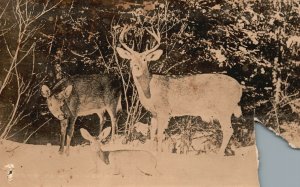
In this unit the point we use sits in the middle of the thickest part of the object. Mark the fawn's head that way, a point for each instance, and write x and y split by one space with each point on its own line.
139 61
95 144
56 101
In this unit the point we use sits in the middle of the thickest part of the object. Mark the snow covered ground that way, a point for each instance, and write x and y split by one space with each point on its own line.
43 166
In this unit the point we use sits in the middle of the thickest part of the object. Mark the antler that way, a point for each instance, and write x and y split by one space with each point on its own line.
157 37
121 38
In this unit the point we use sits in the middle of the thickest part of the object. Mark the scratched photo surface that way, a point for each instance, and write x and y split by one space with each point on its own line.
144 92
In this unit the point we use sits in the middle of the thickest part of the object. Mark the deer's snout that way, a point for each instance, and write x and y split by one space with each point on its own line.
137 67
62 116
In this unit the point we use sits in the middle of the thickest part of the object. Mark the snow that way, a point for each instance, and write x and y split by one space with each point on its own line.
40 165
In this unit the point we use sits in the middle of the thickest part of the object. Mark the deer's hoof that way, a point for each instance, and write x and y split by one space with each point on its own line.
61 151
229 152
67 152
154 145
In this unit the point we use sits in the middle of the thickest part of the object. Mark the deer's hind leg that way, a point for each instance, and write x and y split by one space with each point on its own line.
112 113
148 168
162 124
227 130
102 120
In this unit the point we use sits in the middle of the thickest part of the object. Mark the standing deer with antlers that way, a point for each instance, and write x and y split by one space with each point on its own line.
211 96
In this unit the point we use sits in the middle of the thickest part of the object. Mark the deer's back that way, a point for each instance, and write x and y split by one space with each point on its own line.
94 86
132 158
93 92
192 94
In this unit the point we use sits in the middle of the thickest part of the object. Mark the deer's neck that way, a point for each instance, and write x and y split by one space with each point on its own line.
142 84
104 156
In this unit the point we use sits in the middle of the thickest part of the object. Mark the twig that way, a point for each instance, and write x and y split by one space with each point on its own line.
11 150
25 141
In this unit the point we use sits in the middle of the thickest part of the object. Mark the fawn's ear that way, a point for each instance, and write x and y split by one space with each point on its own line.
123 53
45 91
104 133
67 92
154 55
85 134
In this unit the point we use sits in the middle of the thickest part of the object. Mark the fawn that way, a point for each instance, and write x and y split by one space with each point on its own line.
122 161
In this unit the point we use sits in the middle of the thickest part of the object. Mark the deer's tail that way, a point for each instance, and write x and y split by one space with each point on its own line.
237 111
119 106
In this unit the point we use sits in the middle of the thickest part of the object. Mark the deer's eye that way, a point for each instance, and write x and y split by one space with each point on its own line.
61 107
58 97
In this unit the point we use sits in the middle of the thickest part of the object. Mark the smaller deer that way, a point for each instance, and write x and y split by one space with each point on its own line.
123 161
83 95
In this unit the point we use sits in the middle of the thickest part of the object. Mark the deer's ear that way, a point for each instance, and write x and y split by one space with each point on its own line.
154 55
86 135
105 132
67 92
123 53
45 91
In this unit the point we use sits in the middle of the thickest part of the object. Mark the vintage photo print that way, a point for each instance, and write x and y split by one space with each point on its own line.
144 92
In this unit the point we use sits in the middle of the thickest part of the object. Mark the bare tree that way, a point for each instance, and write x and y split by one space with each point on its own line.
26 14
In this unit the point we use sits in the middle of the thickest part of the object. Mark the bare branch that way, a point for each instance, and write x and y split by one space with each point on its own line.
25 141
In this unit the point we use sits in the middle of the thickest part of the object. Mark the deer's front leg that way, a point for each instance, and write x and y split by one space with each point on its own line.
162 124
63 129
70 133
153 128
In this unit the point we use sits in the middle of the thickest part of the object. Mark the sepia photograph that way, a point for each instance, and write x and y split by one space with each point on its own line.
144 92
